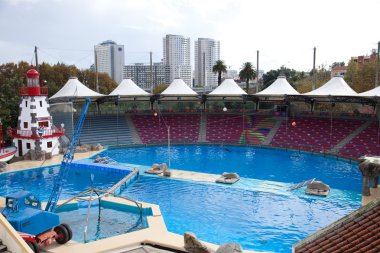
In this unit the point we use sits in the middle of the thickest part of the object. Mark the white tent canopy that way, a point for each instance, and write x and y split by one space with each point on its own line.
128 88
280 87
335 87
178 88
228 88
371 93
75 89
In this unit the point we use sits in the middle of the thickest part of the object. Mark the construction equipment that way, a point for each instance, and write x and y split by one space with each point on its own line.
23 210
37 227
67 159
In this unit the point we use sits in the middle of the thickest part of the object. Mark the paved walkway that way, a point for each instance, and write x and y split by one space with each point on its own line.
194 176
375 193
26 164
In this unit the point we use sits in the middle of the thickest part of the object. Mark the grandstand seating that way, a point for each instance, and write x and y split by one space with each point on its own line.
152 129
313 134
225 128
365 143
105 129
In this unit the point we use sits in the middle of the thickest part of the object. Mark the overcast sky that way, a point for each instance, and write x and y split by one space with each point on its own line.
284 31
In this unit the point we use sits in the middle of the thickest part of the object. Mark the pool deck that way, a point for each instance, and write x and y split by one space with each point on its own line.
155 234
194 176
26 164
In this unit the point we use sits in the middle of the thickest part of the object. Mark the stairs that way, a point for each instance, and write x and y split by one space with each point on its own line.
258 130
3 248
273 131
202 128
135 136
335 150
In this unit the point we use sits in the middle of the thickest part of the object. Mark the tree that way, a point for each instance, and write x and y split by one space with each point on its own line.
159 88
247 73
361 77
106 84
304 83
219 68
337 64
9 102
291 75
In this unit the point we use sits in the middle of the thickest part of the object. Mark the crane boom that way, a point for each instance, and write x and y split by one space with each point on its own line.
67 159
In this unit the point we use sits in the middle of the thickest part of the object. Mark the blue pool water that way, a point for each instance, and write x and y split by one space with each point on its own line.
105 222
40 181
265 164
258 220
258 212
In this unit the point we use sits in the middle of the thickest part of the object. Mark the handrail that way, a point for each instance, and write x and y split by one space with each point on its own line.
29 134
122 181
105 193
109 191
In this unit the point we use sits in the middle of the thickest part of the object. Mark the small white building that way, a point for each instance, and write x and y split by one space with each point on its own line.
35 129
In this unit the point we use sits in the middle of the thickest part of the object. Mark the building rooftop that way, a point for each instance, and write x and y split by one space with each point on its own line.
108 42
356 232
340 68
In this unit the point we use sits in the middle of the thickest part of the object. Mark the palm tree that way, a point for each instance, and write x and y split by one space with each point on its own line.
247 73
219 68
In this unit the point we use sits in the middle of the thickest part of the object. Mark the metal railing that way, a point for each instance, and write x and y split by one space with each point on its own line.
29 134
88 196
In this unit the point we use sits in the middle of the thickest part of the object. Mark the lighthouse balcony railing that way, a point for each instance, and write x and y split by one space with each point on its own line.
33 91
28 134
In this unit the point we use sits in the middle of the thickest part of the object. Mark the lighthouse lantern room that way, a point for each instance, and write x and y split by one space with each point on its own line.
35 132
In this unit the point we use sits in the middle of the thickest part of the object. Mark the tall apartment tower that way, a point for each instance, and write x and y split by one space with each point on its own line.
206 53
177 58
109 58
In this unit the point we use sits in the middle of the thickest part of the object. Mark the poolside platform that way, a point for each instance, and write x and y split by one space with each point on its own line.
26 164
156 234
194 176
375 193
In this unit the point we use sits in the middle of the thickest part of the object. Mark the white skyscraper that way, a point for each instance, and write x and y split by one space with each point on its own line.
109 58
206 53
177 58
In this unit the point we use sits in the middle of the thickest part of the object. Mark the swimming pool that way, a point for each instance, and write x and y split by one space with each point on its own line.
258 220
258 212
108 219
259 163
41 180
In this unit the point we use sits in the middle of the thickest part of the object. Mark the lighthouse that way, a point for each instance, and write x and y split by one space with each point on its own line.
35 132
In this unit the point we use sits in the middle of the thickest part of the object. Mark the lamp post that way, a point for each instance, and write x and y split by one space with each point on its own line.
155 114
168 128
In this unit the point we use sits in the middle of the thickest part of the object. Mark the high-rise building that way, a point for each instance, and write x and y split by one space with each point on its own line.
206 53
109 58
177 58
140 74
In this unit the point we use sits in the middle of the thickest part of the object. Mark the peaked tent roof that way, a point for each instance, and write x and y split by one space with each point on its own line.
371 93
178 88
75 89
228 88
280 87
335 87
128 88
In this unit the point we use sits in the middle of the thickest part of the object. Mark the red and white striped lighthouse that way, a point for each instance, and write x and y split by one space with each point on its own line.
35 129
